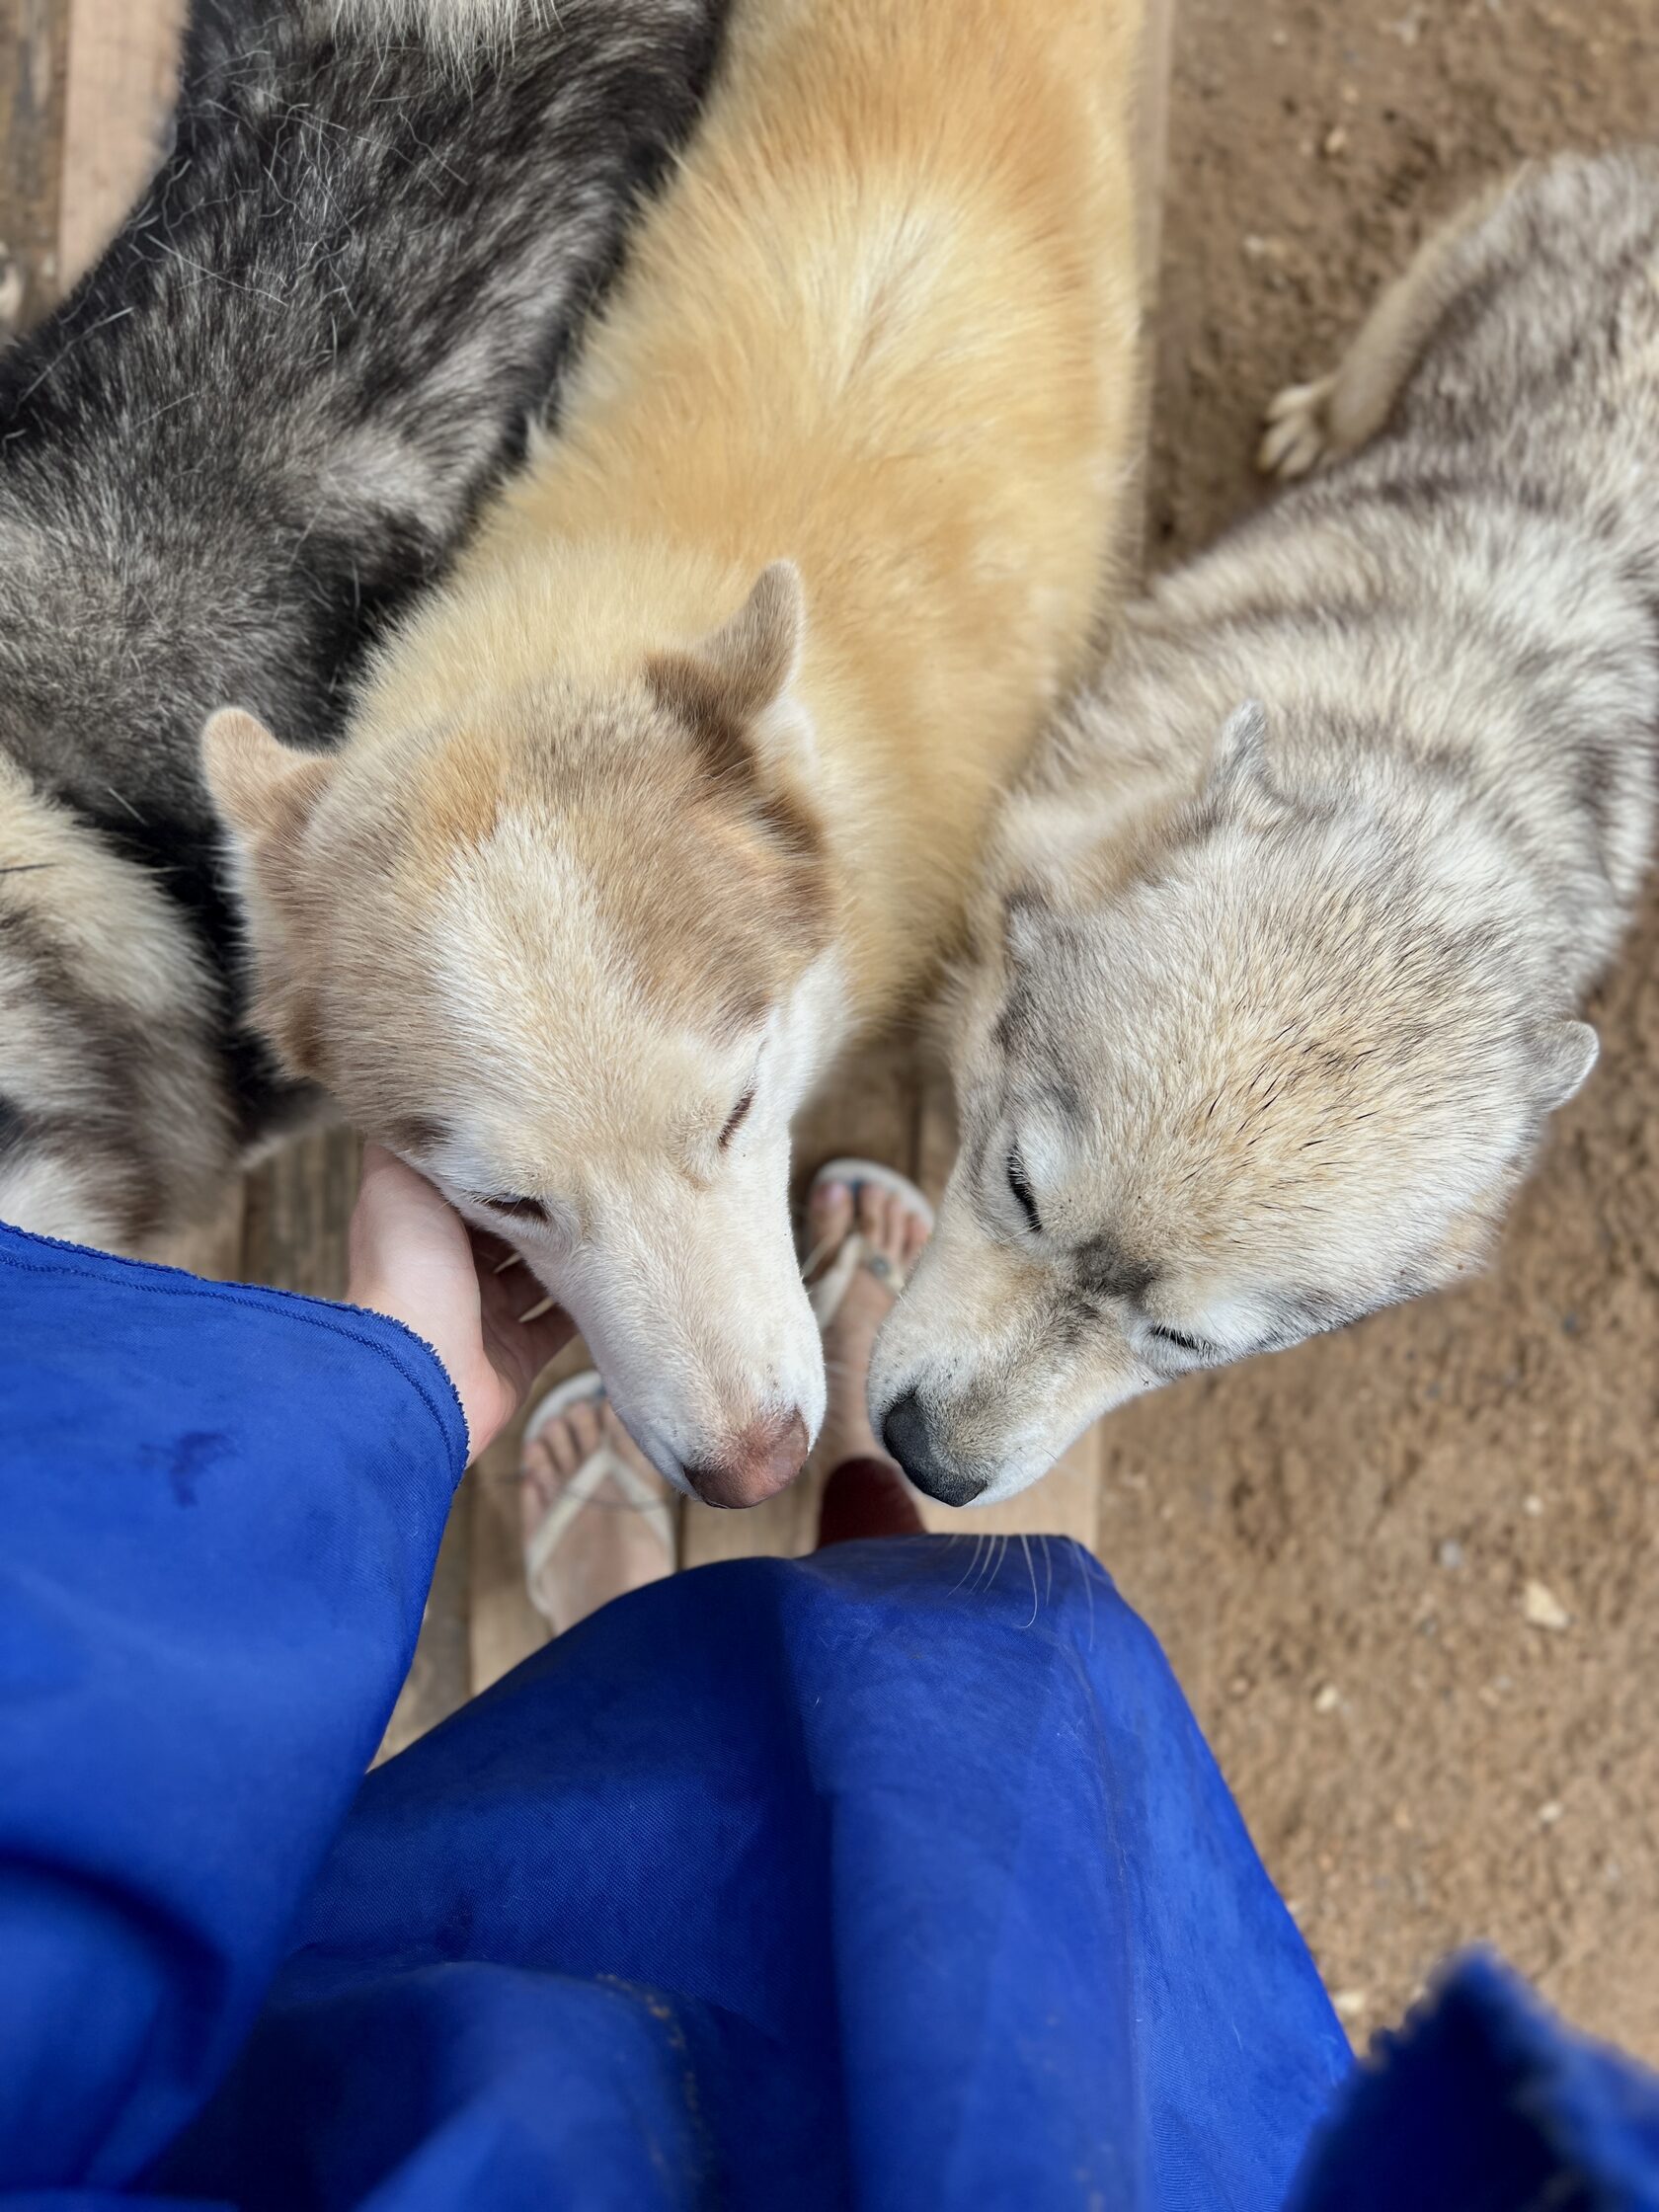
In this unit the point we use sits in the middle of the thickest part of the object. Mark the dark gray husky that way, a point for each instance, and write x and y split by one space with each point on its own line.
254 431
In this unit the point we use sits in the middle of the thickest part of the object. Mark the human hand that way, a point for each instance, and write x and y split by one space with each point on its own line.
413 1258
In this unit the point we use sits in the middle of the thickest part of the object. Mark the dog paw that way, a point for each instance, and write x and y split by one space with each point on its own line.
1299 431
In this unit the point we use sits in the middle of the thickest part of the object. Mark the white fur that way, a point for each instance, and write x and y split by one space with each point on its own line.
457 23
674 1258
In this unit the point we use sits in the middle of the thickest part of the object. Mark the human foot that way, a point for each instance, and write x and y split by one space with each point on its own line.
599 1520
892 1233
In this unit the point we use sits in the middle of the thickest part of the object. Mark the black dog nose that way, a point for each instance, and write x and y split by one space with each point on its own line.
905 1433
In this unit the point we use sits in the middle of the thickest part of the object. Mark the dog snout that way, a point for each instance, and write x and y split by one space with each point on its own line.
757 1462
908 1436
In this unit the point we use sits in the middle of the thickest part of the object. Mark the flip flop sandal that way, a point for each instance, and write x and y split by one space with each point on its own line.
582 1490
831 1287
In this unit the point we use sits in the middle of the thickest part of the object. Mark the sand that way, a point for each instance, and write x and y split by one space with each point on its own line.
1407 1575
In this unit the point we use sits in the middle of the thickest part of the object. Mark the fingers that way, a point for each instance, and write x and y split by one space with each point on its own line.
519 1348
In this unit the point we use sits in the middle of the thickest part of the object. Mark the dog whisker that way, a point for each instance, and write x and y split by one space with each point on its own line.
967 1570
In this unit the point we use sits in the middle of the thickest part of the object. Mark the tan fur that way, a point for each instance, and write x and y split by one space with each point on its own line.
619 828
884 328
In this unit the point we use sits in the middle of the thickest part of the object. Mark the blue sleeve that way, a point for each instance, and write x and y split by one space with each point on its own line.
1484 2098
220 1510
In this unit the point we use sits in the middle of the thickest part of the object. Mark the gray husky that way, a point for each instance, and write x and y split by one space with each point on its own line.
249 436
1279 961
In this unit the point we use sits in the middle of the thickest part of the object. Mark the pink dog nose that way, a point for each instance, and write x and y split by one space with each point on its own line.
758 1462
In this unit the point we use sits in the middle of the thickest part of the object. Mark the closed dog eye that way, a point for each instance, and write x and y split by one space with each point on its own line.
737 1116
1194 1346
1024 1196
517 1207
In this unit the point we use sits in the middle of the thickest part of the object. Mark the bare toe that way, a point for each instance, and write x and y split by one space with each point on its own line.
916 1236
540 1475
871 1202
893 1230
889 1226
830 1216
614 1541
563 1457
585 1430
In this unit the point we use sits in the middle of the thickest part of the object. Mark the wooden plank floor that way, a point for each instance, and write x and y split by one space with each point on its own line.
85 91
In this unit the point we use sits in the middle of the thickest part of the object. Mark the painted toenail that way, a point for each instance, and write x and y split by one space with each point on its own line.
832 1194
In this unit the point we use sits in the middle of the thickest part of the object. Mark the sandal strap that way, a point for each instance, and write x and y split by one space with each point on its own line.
826 1293
579 1492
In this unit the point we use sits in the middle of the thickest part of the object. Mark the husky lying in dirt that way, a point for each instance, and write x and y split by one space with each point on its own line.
677 786
254 431
1279 961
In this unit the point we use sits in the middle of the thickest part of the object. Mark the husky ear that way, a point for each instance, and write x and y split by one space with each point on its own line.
1563 1054
1238 765
730 691
1025 913
264 792
262 788
752 658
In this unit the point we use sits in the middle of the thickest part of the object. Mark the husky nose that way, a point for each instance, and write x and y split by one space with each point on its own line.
905 1434
760 1461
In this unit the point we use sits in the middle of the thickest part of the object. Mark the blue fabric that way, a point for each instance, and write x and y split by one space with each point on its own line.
1485 2103
220 1510
900 1877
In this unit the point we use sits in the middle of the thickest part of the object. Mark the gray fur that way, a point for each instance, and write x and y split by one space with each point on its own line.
1298 904
256 429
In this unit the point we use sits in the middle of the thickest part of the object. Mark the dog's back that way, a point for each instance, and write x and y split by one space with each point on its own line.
885 326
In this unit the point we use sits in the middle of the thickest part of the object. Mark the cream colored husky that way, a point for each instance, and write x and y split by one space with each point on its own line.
679 784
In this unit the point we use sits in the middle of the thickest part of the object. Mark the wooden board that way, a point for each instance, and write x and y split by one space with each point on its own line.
297 1206
214 1249
123 61
34 81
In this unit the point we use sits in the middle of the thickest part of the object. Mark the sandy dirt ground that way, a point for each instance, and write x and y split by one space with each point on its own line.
1336 1544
